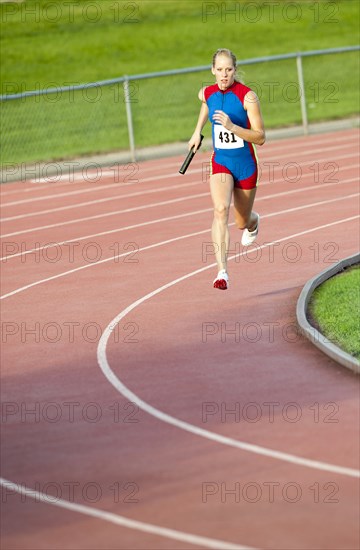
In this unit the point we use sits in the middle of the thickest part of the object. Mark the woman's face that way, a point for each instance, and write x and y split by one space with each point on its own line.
224 71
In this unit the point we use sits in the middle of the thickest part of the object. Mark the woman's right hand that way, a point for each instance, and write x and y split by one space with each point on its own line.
194 141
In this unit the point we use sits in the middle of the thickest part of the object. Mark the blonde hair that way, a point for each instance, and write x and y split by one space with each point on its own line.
232 56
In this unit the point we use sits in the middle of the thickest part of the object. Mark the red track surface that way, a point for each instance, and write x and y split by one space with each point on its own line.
190 351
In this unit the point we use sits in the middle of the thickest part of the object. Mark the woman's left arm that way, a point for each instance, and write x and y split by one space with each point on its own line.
256 134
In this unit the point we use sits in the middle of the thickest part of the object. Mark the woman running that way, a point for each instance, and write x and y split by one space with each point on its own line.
234 112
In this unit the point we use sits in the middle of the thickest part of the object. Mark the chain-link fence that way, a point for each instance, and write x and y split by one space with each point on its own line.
157 108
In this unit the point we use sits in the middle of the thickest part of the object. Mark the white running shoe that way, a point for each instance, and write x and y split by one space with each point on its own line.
248 237
222 280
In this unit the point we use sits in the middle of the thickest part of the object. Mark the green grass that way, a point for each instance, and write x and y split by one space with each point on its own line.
57 46
335 307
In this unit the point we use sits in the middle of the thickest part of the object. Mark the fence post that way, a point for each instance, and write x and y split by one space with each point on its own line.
129 118
302 93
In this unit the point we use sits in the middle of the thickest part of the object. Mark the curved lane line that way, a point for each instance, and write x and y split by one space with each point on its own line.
96 201
105 215
180 199
133 524
150 191
80 177
151 222
127 393
189 235
157 530
102 359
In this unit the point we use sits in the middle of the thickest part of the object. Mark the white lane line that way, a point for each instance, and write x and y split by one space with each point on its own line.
97 201
122 521
145 192
100 187
107 214
151 205
196 430
105 260
270 149
117 230
291 148
170 218
154 245
263 165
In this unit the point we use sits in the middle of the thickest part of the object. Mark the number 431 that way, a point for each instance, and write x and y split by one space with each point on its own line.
224 137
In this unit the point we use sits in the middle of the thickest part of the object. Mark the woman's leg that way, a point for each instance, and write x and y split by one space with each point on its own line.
221 187
245 217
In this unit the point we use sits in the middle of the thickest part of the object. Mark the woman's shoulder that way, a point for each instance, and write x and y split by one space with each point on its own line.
208 90
242 87
241 90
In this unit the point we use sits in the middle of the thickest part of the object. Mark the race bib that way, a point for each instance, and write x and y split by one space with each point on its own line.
224 139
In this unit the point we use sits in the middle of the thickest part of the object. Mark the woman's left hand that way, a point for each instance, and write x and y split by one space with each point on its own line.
224 119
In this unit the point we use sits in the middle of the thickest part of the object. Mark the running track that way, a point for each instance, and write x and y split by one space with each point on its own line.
141 408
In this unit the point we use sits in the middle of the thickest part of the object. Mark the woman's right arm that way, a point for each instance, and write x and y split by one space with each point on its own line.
195 139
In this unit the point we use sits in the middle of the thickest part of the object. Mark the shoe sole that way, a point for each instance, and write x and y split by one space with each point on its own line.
220 284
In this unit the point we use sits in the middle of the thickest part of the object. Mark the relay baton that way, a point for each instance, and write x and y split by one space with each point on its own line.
186 163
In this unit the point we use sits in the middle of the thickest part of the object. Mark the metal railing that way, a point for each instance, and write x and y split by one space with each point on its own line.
62 122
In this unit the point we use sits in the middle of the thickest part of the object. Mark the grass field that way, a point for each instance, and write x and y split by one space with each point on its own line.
52 44
335 306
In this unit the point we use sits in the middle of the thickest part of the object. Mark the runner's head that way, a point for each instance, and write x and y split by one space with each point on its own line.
224 68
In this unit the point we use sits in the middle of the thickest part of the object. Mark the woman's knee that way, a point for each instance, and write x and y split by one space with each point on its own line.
221 212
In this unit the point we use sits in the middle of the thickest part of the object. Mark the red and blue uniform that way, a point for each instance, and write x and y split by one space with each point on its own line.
232 155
